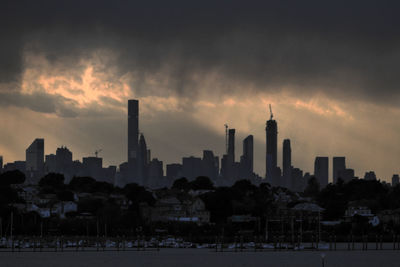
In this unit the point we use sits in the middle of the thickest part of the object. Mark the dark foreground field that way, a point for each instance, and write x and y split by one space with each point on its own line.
201 258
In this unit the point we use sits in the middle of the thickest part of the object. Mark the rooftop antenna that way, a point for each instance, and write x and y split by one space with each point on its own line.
97 152
270 111
226 137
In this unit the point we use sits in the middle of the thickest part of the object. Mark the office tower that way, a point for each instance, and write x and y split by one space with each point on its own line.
50 164
321 171
231 145
247 159
191 167
271 149
210 165
1 164
35 160
370 176
64 159
133 137
155 176
346 175
287 164
298 182
339 164
92 167
395 180
142 160
174 171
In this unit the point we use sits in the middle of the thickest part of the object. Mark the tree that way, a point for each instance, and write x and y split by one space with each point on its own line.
53 180
312 188
202 183
181 184
12 177
82 184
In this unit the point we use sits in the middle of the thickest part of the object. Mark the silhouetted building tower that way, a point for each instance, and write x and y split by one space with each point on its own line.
133 137
272 148
395 179
210 165
1 164
174 171
142 160
339 165
370 176
156 173
191 167
231 145
287 163
35 160
321 170
247 159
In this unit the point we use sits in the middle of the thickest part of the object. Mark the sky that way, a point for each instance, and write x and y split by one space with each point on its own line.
330 70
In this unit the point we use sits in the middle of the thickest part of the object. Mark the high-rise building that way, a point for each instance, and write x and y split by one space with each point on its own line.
50 164
370 176
231 145
321 171
210 165
247 159
155 176
142 160
64 159
92 166
133 138
35 160
287 164
271 149
395 179
346 175
191 167
339 165
174 171
1 164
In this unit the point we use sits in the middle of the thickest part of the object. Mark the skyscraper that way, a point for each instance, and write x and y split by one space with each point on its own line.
1 164
339 165
142 160
133 137
287 163
247 160
35 160
272 148
231 146
321 170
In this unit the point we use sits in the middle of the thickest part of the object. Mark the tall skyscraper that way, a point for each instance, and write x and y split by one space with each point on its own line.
231 145
272 148
287 162
142 160
1 164
339 165
133 137
35 160
247 161
321 170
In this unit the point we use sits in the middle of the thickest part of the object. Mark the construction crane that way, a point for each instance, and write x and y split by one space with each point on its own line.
97 152
270 111
226 137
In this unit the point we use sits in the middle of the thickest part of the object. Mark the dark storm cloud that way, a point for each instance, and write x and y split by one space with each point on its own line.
348 49
39 102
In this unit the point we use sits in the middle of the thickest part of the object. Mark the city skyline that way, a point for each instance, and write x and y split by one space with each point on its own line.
197 66
141 168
